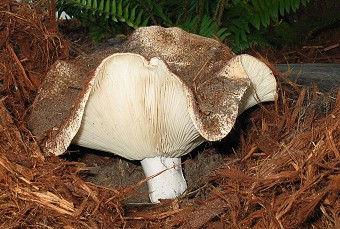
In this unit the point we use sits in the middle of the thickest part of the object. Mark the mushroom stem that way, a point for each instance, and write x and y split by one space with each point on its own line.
168 181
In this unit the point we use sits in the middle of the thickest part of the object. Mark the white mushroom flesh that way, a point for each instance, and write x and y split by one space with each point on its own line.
263 83
137 109
168 182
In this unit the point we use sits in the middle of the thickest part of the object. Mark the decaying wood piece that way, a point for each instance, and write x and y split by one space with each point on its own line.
325 76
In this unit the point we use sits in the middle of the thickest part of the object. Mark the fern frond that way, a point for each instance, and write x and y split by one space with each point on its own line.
259 14
241 18
208 27
252 39
105 10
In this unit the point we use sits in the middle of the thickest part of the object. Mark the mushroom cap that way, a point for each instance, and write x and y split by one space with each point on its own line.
263 83
137 109
58 107
212 74
210 83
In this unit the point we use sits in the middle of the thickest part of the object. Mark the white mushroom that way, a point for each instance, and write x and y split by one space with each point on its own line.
162 95
138 109
167 180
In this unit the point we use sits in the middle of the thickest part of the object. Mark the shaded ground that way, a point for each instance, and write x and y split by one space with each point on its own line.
112 171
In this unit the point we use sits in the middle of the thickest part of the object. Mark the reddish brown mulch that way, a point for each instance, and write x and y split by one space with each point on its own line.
30 42
284 174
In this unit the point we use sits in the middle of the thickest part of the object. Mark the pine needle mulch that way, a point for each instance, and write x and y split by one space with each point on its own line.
284 174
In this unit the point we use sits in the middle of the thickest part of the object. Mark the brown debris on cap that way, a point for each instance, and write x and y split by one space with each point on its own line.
213 84
59 105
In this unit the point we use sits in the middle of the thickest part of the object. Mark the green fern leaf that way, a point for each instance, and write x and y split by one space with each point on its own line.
113 7
125 14
243 35
89 4
107 9
129 23
192 23
275 9
246 26
120 8
256 5
222 34
282 7
101 7
295 5
256 21
126 11
287 5
159 11
94 4
267 17
139 18
208 27
263 19
266 3
133 14
145 22
304 2
238 23
262 5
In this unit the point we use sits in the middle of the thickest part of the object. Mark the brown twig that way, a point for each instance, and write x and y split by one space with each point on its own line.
28 81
